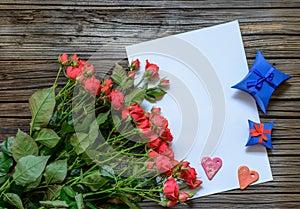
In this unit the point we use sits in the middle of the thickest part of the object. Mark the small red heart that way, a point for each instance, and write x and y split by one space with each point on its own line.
211 166
246 177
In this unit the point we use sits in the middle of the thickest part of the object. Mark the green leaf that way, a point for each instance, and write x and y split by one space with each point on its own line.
150 98
118 74
23 145
56 172
16 189
3 179
94 180
69 191
29 169
53 191
32 204
34 184
82 119
108 172
79 201
6 146
47 137
80 142
135 96
127 83
67 127
155 92
14 200
64 197
41 105
93 132
116 120
102 117
55 203
5 163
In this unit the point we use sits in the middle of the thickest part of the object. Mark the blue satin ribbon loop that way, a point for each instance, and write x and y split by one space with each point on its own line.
268 77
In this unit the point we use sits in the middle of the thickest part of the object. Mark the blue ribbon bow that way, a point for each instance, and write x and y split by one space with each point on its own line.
268 77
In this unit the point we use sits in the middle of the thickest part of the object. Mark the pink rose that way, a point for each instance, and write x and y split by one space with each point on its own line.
75 59
171 203
92 84
125 113
183 197
160 122
164 83
117 99
164 164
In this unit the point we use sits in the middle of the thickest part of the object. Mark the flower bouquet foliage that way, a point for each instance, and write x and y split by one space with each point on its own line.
92 142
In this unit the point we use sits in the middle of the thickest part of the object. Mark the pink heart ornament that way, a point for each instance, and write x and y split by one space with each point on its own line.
211 166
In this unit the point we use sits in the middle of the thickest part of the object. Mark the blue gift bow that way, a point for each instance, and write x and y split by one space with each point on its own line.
268 77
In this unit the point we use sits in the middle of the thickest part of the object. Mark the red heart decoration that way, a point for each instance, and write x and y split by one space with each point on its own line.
246 177
211 166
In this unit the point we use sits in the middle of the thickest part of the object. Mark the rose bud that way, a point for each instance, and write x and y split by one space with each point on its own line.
63 59
135 65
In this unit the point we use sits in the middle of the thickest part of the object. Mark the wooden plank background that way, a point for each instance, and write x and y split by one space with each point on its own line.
34 33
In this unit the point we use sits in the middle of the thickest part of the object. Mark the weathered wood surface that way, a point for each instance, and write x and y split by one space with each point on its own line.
34 33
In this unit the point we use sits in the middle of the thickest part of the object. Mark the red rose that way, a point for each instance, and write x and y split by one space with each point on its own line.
183 197
189 175
81 64
151 70
164 147
92 84
131 74
165 150
196 184
143 124
152 154
136 111
135 65
105 88
154 143
171 189
73 72
166 135
63 59
164 164
117 99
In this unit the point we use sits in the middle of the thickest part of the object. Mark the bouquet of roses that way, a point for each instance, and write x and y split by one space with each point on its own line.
92 142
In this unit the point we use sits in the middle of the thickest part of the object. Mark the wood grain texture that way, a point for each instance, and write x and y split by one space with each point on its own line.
33 33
